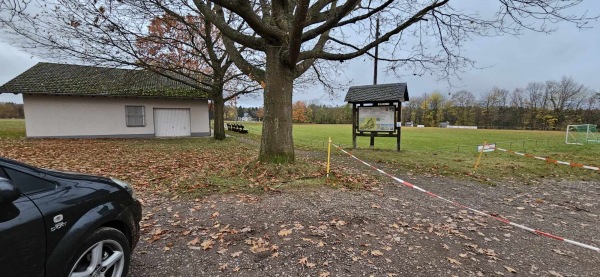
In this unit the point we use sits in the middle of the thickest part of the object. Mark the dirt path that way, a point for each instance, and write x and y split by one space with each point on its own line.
388 230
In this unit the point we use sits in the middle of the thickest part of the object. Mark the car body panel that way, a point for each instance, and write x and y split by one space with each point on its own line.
70 211
22 232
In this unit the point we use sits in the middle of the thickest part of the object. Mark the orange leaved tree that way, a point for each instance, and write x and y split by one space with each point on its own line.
190 48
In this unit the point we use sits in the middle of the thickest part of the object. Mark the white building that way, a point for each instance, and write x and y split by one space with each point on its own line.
75 101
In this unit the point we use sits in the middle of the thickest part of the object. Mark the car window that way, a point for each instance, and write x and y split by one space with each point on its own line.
28 183
2 174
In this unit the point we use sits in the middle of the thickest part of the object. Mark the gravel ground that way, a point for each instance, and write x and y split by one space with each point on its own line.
386 230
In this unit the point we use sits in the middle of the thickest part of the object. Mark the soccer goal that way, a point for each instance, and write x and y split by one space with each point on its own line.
582 134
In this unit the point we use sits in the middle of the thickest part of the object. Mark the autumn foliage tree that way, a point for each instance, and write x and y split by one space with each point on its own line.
195 49
300 113
295 35
260 113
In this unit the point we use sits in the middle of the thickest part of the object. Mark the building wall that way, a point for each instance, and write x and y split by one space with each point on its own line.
85 116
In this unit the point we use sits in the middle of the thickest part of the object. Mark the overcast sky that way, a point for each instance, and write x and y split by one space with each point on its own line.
510 62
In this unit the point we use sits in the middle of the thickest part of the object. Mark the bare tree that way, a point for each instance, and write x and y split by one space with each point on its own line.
563 96
195 49
536 103
463 107
11 8
295 34
517 107
294 37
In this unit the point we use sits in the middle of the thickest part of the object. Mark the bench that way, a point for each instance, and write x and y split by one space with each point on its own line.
236 128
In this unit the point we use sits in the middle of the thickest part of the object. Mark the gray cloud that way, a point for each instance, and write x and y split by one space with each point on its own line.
507 61
12 63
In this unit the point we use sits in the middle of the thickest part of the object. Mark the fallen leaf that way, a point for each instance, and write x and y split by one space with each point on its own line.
207 244
284 232
554 273
376 253
453 261
246 229
193 242
236 254
510 269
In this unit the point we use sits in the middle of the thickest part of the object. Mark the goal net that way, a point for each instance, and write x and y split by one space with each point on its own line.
582 134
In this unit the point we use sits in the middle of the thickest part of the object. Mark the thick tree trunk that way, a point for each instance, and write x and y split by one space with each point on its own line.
219 106
277 144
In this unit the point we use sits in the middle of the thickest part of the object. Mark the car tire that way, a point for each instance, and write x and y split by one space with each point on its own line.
105 252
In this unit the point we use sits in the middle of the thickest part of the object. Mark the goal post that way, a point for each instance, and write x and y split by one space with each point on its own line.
582 134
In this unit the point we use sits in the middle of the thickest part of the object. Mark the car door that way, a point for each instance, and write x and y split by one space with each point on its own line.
22 238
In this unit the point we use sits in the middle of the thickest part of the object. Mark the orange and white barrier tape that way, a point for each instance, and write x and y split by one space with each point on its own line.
494 216
550 160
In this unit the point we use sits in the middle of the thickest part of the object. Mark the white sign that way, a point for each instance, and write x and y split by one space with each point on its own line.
486 148
377 118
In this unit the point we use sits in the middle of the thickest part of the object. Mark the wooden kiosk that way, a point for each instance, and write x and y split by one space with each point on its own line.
376 111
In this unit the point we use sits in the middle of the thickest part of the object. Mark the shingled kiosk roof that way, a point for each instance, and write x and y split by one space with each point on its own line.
378 93
69 79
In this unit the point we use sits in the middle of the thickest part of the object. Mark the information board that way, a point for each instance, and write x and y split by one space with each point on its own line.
377 118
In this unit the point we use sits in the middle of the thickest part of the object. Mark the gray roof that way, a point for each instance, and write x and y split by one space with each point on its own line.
69 79
377 93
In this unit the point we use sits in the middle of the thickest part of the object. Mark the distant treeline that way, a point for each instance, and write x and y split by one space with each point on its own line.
539 106
547 105
11 110
301 113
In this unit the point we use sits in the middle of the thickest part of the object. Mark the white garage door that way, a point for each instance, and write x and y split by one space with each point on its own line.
172 123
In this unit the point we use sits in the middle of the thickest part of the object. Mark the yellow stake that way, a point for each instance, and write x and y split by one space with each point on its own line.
328 156
479 158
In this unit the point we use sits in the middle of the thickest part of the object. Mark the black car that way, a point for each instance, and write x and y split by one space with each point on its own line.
65 224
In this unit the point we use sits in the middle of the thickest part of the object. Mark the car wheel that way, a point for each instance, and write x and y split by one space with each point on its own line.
105 253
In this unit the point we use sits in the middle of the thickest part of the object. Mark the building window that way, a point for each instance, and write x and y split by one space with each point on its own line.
135 116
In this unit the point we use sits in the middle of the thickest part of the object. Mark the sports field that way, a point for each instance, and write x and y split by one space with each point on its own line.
453 151
435 151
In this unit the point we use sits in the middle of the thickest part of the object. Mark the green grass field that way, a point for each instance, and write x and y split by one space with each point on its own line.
429 151
12 128
453 152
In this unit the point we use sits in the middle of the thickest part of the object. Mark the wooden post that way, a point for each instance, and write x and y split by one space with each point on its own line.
372 143
328 157
399 119
376 53
354 125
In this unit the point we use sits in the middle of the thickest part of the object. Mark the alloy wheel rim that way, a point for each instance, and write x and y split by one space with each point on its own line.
103 259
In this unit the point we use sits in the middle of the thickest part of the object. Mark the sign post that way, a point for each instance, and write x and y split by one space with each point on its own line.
376 111
481 149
